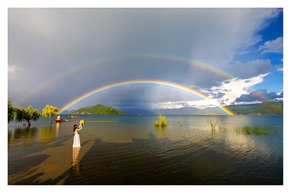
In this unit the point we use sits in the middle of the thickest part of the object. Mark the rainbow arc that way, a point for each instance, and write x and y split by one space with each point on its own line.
156 82
78 69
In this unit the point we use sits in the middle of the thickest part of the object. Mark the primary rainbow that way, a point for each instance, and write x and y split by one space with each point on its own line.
157 82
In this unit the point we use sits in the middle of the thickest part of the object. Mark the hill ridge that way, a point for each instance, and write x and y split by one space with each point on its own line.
99 109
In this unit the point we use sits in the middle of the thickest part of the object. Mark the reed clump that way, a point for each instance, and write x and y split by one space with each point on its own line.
213 124
247 130
162 121
156 123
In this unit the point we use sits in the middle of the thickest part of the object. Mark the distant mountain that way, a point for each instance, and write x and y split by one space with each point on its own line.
98 109
66 112
266 108
179 111
209 111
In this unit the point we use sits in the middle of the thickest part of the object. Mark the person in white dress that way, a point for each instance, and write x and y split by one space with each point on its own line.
77 142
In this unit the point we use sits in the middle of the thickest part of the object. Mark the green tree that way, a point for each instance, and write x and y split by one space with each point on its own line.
49 111
28 114
11 113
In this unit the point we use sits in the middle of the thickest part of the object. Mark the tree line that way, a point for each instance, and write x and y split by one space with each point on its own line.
19 114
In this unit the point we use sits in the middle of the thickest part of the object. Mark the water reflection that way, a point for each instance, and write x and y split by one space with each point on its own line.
22 135
27 135
57 125
213 132
47 133
161 131
25 132
195 144
75 161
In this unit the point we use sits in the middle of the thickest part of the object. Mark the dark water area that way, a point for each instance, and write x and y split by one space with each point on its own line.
128 150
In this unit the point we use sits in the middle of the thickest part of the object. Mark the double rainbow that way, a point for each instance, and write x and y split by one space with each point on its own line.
156 82
179 60
78 69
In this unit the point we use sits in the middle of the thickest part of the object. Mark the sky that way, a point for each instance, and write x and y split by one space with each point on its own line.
231 55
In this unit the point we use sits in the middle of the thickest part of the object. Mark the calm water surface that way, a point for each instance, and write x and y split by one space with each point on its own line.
130 150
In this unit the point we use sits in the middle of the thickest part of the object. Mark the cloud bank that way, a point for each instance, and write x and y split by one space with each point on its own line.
274 46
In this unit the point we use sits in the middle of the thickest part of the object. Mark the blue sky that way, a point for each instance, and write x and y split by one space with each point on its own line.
106 45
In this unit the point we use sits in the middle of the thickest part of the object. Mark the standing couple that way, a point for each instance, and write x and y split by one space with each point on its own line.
76 147
77 142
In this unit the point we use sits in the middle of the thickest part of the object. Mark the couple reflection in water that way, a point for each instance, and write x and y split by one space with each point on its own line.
75 167
76 148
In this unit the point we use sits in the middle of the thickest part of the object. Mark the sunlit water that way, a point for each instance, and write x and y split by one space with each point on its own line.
130 150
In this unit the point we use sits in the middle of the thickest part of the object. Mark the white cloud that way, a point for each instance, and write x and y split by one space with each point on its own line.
224 94
246 103
274 46
201 104
280 69
232 89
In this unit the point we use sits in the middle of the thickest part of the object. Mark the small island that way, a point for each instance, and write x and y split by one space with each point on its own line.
98 109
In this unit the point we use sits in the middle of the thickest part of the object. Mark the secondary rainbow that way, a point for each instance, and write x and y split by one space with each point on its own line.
78 69
196 63
156 82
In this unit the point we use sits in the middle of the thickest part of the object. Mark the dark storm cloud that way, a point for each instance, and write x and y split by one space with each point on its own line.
251 69
260 95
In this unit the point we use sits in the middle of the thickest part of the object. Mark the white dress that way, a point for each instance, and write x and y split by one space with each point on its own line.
77 141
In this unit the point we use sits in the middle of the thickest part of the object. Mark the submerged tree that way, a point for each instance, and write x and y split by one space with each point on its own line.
49 111
28 114
11 113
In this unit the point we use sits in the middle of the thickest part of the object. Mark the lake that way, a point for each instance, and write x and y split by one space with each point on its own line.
128 149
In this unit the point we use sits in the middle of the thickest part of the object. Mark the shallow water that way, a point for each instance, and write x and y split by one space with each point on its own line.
130 150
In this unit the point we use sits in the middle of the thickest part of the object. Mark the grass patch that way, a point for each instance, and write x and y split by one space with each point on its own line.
156 123
247 130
